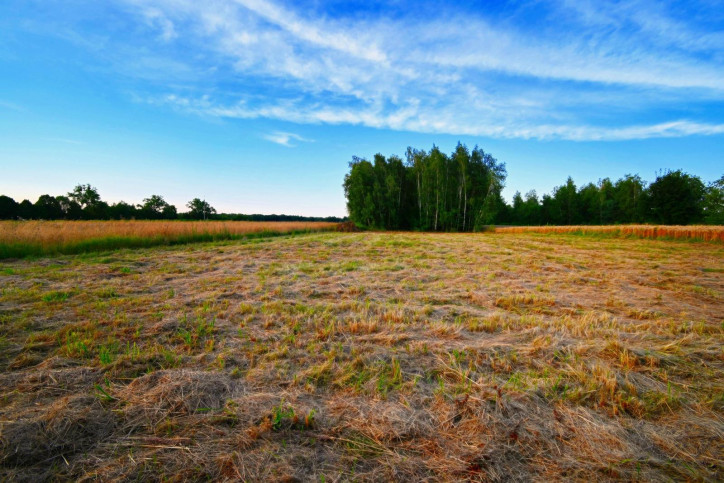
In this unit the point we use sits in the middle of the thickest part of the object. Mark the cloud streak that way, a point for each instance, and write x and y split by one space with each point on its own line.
412 119
628 70
285 138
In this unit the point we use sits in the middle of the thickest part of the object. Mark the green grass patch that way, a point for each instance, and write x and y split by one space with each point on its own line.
56 296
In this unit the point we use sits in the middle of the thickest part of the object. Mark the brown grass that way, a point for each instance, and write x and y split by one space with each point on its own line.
367 357
696 232
48 233
37 238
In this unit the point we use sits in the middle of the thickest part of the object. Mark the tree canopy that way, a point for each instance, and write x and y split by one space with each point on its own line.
431 190
200 209
85 203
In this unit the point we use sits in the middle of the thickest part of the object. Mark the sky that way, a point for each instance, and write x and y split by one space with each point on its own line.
258 106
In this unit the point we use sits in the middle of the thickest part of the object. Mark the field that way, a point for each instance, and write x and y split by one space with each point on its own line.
688 232
23 238
367 356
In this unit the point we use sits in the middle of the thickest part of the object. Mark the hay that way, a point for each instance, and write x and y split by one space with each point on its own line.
70 425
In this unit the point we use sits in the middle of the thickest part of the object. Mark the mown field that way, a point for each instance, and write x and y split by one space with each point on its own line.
367 356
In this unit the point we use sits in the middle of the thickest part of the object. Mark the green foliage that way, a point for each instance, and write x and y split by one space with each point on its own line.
8 208
677 198
102 394
429 191
714 203
674 198
48 208
279 414
85 195
283 416
461 192
56 296
156 208
200 209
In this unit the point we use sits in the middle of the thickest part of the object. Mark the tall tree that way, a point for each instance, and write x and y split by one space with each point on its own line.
155 207
605 204
714 202
48 208
85 195
566 199
8 208
26 210
70 208
200 209
461 159
676 198
630 196
517 213
531 209
588 203
358 188
123 211
429 191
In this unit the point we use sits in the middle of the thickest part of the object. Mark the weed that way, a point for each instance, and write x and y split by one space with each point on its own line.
102 394
56 296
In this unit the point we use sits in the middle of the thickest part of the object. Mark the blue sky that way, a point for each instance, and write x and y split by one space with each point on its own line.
258 106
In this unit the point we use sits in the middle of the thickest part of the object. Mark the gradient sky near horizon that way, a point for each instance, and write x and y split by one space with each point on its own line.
258 106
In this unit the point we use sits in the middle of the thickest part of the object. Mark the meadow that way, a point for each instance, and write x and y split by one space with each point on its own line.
680 232
37 238
366 356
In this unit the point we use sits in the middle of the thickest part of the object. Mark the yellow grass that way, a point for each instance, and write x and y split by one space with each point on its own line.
699 232
52 232
20 238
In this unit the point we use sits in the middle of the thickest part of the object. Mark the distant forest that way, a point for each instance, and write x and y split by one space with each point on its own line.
84 203
430 190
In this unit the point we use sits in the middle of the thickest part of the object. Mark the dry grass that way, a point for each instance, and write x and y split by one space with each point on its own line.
695 232
18 238
367 356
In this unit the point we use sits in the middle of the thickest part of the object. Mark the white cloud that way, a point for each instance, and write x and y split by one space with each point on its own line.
285 138
443 122
155 18
458 73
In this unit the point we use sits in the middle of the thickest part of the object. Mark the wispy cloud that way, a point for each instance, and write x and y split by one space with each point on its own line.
582 70
285 138
12 106
65 141
156 19
443 122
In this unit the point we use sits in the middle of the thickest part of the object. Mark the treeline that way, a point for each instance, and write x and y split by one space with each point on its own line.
259 217
461 192
429 190
84 203
674 198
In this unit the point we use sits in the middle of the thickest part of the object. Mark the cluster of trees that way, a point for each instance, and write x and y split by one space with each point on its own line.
84 203
429 190
674 198
461 192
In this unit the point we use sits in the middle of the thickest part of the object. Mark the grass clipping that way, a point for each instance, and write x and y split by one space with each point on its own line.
367 356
